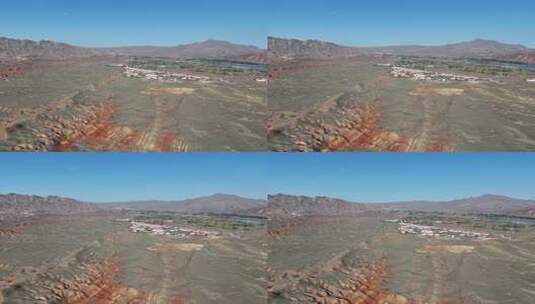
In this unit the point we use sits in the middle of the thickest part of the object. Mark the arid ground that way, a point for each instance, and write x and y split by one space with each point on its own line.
91 105
357 104
363 259
97 259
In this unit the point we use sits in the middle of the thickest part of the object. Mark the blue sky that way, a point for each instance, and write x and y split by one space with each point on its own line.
391 22
351 22
134 22
367 177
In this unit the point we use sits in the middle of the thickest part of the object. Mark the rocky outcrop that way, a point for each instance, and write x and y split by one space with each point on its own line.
354 284
340 124
284 49
287 205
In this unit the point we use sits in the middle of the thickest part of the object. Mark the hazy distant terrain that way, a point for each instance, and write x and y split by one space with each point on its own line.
218 203
486 204
478 48
210 49
16 49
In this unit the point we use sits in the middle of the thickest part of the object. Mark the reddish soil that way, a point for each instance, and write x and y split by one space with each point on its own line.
100 133
361 284
366 135
100 287
359 129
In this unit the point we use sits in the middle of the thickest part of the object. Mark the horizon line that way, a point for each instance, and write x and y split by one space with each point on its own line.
263 47
363 45
128 201
266 198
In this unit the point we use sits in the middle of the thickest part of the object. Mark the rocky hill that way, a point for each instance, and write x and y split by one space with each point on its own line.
217 203
279 48
19 50
16 204
288 205
210 49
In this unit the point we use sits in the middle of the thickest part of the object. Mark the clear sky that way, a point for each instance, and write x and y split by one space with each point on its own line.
366 177
99 23
392 22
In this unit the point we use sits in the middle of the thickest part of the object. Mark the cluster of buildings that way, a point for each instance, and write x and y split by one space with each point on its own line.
422 75
162 76
172 232
433 231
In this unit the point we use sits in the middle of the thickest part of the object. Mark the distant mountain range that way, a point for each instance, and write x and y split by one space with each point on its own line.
15 49
276 205
217 203
477 48
291 48
15 204
210 49
281 205
486 204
